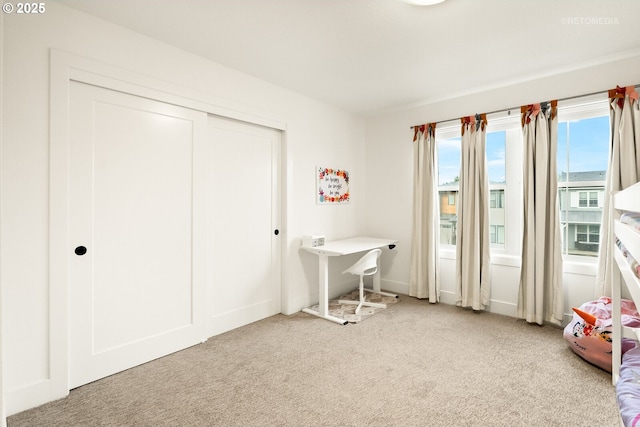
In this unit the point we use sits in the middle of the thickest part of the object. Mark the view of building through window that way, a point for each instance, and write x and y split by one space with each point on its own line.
495 151
583 150
582 159
448 179
449 175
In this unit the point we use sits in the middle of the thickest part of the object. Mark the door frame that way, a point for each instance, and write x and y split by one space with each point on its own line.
66 67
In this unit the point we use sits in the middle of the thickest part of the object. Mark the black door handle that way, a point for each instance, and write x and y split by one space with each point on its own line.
80 250
276 232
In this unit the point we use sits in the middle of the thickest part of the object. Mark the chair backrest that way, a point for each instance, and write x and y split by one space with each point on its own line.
367 265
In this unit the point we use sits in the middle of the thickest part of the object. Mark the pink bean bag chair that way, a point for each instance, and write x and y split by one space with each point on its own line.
589 332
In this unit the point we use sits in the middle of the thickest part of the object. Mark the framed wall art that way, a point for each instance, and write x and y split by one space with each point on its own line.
333 186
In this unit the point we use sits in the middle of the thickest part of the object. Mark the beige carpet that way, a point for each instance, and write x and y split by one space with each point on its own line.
348 311
414 364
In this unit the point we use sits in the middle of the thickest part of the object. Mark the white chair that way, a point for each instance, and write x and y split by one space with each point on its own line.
365 266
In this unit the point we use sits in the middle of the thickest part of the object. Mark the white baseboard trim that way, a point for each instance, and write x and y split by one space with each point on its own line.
449 297
335 290
446 297
503 307
396 287
30 396
224 322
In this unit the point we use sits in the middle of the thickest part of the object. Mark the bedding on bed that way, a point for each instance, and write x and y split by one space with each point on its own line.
628 388
589 332
633 264
631 218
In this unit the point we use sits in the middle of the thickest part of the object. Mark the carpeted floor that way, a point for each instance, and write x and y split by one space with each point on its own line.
414 364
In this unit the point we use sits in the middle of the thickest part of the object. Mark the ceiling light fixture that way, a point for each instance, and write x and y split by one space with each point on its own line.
423 2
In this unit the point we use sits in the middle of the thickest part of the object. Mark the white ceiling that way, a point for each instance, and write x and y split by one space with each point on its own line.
369 56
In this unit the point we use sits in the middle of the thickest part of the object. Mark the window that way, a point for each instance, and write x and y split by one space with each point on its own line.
496 199
497 234
582 161
587 233
588 199
583 151
583 199
587 238
496 170
448 181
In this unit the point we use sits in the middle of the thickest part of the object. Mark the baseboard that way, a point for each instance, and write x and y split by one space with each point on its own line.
449 297
503 307
224 322
335 290
30 396
495 306
446 297
395 287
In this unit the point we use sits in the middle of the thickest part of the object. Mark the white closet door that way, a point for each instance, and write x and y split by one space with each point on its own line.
136 208
245 201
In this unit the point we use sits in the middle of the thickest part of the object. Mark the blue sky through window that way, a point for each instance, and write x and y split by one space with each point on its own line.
588 151
449 158
496 145
588 145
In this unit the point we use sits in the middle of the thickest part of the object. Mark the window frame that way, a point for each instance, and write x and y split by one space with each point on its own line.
509 121
444 133
587 107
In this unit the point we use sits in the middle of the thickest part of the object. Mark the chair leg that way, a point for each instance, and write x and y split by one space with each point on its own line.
361 294
362 302
388 294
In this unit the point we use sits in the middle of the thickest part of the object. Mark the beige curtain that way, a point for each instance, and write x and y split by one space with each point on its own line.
623 171
540 297
424 278
472 239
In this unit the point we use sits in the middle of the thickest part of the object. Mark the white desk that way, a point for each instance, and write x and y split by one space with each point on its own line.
337 248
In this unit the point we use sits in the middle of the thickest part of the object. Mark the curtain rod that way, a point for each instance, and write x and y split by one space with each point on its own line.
514 108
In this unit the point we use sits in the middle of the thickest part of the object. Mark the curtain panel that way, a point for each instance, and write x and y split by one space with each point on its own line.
473 243
623 171
424 277
540 297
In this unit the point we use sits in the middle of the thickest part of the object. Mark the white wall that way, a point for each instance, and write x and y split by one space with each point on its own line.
390 170
316 134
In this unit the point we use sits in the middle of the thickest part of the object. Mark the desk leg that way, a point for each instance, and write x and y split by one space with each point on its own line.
323 285
323 292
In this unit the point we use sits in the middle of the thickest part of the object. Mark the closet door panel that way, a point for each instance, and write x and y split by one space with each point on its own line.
136 277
